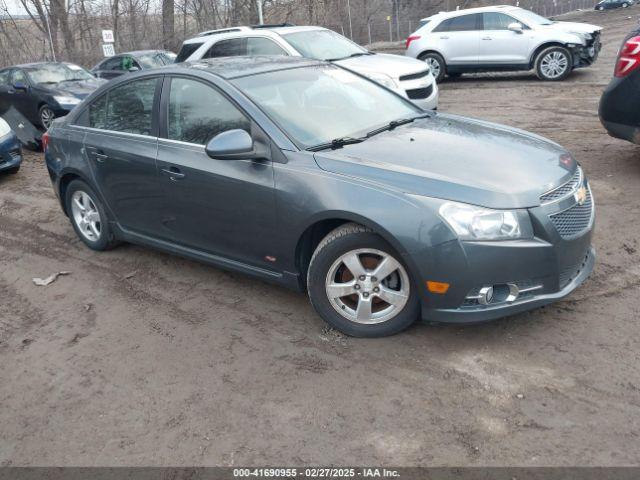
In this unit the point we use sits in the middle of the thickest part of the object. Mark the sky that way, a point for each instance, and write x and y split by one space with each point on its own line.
12 6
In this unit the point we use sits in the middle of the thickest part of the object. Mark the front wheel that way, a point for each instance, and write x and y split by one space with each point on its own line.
359 285
436 64
625 5
14 170
46 116
553 64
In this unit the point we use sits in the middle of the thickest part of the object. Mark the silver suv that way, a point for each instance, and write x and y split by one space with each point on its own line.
503 38
405 76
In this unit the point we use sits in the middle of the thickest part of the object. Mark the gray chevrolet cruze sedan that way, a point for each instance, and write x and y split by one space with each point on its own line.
307 175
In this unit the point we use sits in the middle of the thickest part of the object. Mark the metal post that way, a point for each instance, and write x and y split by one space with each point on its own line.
349 14
369 30
390 31
260 19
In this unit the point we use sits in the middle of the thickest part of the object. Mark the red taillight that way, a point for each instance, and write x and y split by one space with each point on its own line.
411 39
45 141
628 58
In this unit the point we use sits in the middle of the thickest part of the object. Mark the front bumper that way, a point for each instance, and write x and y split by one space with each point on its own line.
423 92
583 56
10 152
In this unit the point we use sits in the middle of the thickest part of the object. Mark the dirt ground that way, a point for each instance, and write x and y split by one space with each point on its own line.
141 358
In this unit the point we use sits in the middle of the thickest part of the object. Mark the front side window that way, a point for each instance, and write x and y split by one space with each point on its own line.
198 112
19 77
114 63
228 48
315 105
497 21
263 46
323 45
127 108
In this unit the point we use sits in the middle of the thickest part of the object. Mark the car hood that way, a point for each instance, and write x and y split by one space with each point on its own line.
80 89
459 159
392 65
573 27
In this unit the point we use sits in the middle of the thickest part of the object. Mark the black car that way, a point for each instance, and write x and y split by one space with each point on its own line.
120 64
44 91
619 112
610 4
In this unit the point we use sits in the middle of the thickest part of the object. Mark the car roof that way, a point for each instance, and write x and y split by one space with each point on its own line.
37 64
467 11
137 53
234 67
242 31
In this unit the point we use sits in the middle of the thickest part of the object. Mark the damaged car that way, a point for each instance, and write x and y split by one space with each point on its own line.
503 38
310 176
10 149
46 90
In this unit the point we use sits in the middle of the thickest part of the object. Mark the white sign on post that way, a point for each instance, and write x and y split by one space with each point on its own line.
107 36
108 50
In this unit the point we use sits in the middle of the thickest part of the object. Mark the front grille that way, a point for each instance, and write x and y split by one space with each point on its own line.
567 274
563 190
420 93
415 76
575 220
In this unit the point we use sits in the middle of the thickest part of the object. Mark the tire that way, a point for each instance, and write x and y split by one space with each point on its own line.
98 236
46 116
625 5
14 170
600 9
437 65
547 70
327 267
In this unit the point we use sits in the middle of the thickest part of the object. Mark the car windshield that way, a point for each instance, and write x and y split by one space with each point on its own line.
319 104
532 18
57 72
156 59
324 45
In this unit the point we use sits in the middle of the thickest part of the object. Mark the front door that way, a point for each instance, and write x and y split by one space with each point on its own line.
458 39
501 46
121 145
222 207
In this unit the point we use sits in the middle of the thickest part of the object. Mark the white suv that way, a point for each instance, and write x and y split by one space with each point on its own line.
503 38
408 77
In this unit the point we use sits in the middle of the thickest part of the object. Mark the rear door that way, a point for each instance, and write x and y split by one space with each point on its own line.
458 39
222 207
501 46
121 144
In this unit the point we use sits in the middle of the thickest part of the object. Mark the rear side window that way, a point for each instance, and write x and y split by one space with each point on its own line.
263 46
228 48
463 23
187 50
198 112
127 108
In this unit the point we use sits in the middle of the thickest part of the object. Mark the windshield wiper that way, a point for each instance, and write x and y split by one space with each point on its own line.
357 54
336 143
396 123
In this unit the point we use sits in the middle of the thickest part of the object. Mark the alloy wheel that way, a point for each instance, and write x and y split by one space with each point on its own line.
367 286
46 117
434 65
86 215
554 64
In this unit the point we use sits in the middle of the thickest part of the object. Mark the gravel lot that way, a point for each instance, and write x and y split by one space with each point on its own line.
141 358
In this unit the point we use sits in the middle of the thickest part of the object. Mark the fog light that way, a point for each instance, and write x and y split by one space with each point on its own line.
485 296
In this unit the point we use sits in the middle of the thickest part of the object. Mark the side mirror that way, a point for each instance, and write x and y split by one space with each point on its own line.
20 86
232 145
515 27
134 69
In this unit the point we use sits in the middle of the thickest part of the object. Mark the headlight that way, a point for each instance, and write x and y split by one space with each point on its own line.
5 129
382 79
478 223
64 100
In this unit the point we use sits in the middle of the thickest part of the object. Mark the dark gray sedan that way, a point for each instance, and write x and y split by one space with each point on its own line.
307 175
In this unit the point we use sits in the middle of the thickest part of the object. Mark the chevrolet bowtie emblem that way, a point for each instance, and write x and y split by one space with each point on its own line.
581 195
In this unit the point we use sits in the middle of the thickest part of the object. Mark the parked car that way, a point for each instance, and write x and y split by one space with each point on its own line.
409 78
619 111
44 91
122 63
10 150
307 175
610 4
503 38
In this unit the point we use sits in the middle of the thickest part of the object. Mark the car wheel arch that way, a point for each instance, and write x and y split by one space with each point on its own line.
65 180
319 228
544 46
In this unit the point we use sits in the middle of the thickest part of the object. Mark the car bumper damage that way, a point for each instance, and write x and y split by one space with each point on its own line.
586 55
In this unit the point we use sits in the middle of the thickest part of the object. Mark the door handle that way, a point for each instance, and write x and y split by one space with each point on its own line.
444 37
487 38
100 157
174 173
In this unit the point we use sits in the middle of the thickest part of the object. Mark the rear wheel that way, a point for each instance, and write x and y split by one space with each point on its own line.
436 64
600 8
46 116
358 284
553 64
88 216
625 5
13 170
